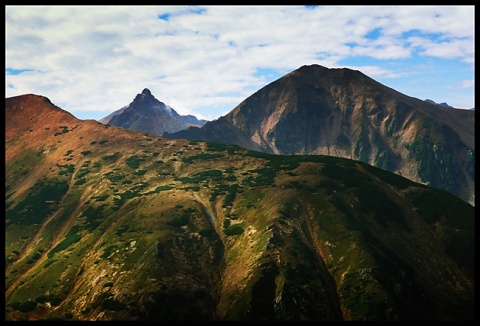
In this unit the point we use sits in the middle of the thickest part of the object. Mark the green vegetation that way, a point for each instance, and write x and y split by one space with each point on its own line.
49 262
199 177
38 204
234 230
82 172
201 156
149 237
456 229
114 177
70 238
373 199
93 217
80 182
112 304
122 229
366 298
229 229
108 251
179 221
65 169
52 299
101 197
163 188
112 157
64 131
195 188
25 306
229 198
34 257
134 161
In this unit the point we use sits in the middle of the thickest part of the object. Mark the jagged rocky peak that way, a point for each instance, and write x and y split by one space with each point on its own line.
148 114
144 95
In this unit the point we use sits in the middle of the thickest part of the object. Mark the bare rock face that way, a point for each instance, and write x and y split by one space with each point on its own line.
342 112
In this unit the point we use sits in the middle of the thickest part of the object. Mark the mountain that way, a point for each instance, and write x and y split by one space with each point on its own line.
441 104
106 223
342 112
148 114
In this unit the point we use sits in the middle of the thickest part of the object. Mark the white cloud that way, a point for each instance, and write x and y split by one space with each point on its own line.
97 58
467 83
377 72
451 49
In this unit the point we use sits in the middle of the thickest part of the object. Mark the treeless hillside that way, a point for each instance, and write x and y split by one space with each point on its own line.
106 223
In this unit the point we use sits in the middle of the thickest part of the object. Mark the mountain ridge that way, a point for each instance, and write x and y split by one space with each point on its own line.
131 226
342 112
445 104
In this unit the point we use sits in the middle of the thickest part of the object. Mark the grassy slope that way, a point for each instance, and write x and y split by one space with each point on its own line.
105 223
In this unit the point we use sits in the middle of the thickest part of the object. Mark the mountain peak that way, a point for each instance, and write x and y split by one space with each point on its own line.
444 104
343 112
145 94
148 114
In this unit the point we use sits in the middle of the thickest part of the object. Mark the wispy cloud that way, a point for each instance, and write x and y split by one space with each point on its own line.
203 60
468 83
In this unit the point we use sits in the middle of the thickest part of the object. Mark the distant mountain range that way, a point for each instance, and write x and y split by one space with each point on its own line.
148 114
344 113
441 104
103 223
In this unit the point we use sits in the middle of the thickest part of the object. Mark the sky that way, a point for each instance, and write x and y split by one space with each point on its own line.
205 60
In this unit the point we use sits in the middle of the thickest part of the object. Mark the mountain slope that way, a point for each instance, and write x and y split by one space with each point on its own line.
105 223
342 112
148 114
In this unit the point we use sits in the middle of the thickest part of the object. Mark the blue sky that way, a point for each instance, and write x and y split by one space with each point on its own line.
204 60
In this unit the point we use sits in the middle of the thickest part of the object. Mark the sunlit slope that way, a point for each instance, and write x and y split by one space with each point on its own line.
344 113
103 223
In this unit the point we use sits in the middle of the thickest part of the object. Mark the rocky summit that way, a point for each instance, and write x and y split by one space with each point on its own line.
146 113
344 113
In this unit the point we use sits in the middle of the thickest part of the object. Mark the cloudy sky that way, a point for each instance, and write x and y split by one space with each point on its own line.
204 60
